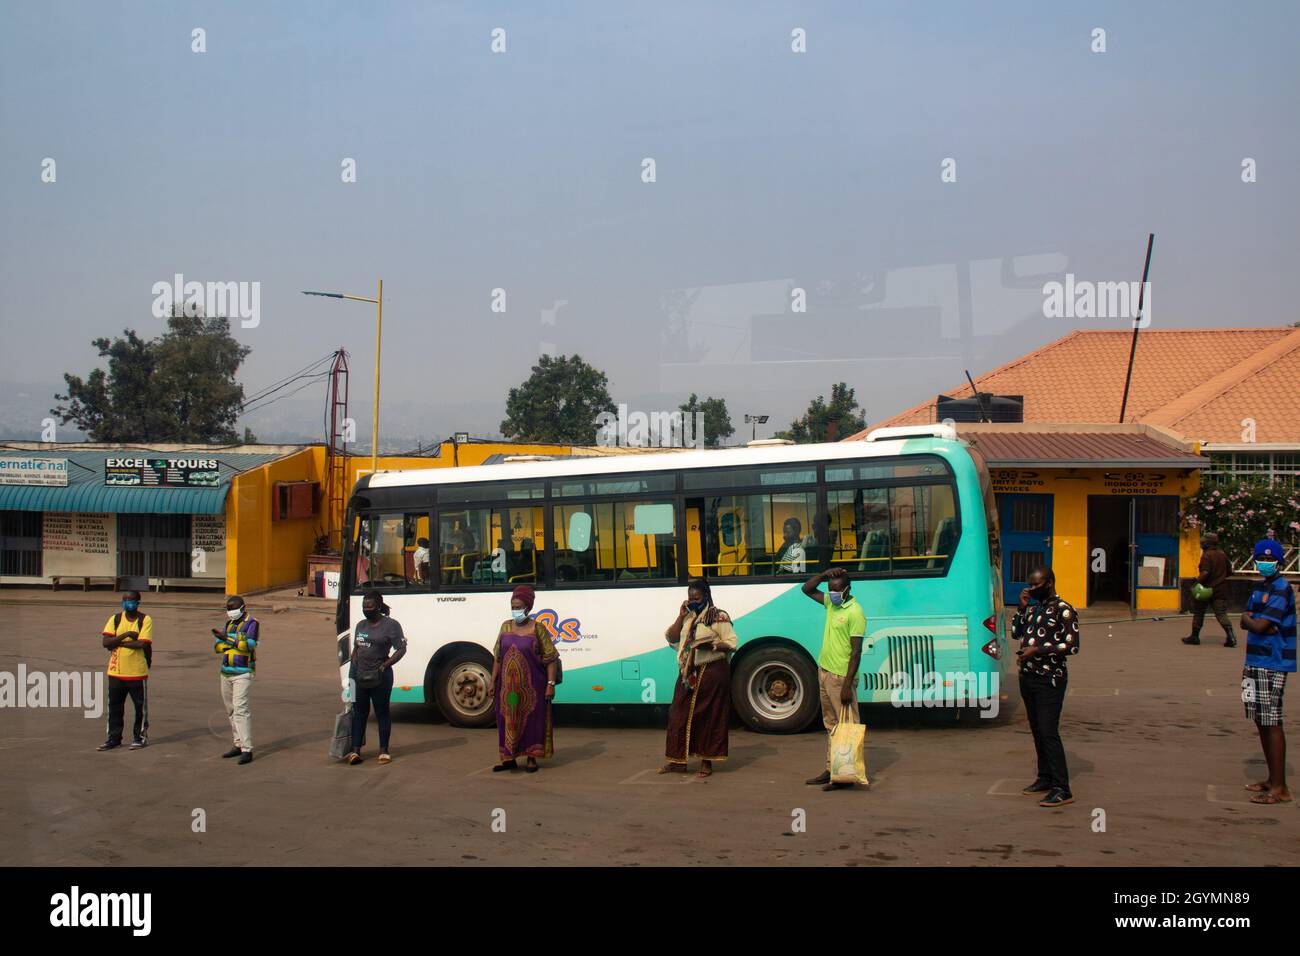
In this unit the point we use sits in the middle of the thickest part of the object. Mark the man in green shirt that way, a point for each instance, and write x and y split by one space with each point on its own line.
837 664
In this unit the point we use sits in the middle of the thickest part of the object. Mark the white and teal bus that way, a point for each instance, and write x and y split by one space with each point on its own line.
610 542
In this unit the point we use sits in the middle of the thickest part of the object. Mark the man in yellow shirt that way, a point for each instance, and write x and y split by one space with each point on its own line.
129 637
841 653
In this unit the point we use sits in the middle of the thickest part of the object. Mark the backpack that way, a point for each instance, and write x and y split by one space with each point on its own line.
148 648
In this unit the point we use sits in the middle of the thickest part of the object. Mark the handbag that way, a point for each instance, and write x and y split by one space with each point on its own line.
847 749
341 744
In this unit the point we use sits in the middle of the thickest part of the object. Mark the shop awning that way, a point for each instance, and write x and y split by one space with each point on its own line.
1078 449
86 490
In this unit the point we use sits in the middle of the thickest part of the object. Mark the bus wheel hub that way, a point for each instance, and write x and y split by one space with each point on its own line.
778 689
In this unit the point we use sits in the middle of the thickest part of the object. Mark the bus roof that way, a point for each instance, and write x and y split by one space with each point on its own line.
664 461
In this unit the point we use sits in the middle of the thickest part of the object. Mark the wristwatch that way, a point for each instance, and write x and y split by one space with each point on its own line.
550 683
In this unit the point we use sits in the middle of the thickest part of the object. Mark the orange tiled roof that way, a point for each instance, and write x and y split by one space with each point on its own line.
1199 382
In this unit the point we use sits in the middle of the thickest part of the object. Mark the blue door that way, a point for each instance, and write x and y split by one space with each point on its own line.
1026 539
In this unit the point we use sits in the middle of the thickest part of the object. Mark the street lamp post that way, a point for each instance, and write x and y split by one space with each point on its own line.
755 420
378 302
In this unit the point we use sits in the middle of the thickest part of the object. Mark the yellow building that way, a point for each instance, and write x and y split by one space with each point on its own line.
1100 504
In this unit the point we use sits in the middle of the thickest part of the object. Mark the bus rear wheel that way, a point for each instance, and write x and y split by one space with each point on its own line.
774 690
460 689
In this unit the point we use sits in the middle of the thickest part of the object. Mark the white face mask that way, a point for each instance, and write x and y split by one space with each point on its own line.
234 615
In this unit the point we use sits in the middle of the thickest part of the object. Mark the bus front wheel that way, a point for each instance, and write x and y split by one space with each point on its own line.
774 690
461 690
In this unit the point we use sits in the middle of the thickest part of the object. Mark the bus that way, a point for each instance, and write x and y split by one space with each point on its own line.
610 542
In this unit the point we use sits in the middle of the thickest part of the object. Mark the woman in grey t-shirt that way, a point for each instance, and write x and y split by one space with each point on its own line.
377 644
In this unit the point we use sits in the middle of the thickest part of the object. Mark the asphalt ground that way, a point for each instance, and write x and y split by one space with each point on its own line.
1158 746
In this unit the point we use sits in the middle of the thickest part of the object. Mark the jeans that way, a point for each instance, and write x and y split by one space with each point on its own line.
1043 704
379 698
1220 606
118 691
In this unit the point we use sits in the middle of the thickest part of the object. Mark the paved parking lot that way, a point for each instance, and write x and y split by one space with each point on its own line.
1158 747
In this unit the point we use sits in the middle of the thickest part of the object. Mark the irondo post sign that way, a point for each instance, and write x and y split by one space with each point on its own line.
162 472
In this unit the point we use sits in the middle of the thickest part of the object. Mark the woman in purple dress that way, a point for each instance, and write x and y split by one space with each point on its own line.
523 684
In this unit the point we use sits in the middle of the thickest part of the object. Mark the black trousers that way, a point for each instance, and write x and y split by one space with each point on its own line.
118 691
1220 606
1043 704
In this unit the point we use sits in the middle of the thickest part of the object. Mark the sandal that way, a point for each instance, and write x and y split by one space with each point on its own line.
353 758
506 765
1257 787
385 757
531 767
1267 798
672 768
706 769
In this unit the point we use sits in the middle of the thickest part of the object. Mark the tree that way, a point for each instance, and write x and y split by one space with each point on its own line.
178 387
558 403
843 411
717 420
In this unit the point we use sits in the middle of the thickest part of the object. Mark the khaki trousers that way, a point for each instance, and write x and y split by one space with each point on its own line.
831 686
236 694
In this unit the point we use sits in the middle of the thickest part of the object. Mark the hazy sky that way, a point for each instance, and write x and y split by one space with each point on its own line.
522 171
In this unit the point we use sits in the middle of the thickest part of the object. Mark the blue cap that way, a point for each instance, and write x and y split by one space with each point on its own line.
1268 548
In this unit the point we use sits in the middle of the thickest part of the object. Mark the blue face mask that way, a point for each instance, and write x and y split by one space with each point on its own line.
695 607
130 606
837 597
519 614
1266 568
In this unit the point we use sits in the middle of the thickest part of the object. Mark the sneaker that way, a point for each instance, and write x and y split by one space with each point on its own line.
232 752
1038 786
1057 798
139 744
1191 639
246 757
109 745
820 780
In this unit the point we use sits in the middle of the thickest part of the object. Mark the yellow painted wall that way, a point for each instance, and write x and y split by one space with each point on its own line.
263 553
1070 488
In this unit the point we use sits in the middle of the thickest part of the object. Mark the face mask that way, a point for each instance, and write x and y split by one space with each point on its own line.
695 607
837 597
1038 594
234 615
519 614
1266 568
130 606
372 614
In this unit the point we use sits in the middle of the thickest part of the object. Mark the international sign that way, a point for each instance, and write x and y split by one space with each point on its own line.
161 472
51 472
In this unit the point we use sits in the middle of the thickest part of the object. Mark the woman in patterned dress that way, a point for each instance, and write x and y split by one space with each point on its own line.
523 685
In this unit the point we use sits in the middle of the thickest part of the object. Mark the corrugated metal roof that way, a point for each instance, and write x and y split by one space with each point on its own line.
1078 449
86 491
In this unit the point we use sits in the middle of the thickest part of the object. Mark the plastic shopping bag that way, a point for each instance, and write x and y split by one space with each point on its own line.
848 749
341 745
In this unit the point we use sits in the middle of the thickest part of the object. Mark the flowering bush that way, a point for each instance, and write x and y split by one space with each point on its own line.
1242 513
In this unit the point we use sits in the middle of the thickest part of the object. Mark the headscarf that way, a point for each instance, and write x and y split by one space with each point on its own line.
525 594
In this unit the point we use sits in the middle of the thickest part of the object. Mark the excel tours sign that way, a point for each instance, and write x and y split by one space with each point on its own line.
161 472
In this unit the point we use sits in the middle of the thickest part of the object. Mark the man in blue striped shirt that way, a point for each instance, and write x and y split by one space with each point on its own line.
1270 625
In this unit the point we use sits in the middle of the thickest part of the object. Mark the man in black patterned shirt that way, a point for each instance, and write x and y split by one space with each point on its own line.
1048 630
